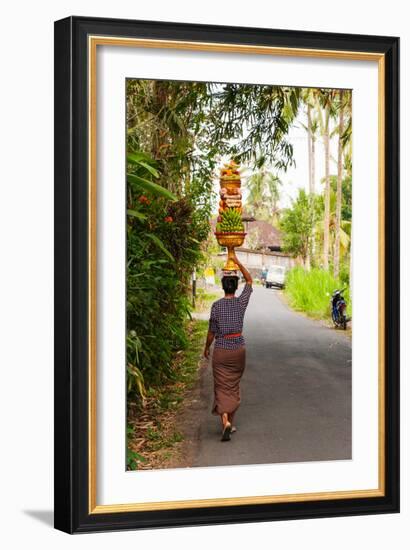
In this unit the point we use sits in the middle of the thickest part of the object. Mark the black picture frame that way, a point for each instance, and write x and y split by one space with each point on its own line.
71 493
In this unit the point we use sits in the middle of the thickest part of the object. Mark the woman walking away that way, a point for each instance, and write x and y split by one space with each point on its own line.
229 355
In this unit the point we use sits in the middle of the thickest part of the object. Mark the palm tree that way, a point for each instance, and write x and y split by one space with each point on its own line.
336 260
310 97
347 148
273 184
264 194
344 228
256 187
325 110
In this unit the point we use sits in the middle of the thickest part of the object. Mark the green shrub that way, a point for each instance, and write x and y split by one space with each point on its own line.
164 236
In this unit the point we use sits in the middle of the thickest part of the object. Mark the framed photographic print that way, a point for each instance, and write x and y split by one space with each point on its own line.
226 274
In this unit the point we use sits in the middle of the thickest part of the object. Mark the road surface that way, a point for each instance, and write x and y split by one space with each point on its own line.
296 392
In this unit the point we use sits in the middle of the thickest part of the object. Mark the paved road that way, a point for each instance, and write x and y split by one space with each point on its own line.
296 392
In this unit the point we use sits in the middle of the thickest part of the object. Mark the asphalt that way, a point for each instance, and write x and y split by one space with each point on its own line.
295 392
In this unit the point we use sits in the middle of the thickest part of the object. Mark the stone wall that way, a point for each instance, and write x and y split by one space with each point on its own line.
255 259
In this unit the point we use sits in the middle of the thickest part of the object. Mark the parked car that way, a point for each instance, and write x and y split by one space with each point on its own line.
276 276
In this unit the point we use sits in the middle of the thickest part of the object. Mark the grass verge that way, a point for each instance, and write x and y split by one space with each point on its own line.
310 292
152 434
204 299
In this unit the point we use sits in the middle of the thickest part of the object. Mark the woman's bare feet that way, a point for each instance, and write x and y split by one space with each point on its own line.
226 427
230 419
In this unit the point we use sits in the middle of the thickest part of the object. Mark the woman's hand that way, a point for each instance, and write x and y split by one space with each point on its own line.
209 339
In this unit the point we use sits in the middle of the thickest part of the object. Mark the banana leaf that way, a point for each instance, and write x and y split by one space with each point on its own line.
150 186
161 246
136 214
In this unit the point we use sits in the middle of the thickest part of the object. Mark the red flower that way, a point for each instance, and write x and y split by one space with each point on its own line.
168 219
144 200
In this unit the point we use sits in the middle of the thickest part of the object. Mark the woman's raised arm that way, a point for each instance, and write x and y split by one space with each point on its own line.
243 269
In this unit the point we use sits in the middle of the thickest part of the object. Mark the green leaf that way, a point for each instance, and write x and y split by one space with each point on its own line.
133 458
150 186
130 430
161 245
136 214
140 159
137 158
150 169
136 376
294 102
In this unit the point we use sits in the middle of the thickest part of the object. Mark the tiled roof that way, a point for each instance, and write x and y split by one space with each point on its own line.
268 235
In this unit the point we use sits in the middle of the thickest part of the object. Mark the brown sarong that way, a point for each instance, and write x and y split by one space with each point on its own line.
227 366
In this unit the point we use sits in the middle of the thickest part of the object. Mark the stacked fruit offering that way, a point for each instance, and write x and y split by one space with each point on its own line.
229 227
230 204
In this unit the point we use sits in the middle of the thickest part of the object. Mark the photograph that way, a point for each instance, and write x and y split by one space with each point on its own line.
239 274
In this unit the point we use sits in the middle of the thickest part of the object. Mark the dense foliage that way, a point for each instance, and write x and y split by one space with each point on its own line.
164 233
251 123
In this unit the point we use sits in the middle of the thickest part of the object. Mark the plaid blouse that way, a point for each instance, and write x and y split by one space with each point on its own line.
227 318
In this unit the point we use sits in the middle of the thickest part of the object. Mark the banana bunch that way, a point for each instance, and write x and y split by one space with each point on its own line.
231 221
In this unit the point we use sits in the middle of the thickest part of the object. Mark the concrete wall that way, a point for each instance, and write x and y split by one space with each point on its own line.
255 260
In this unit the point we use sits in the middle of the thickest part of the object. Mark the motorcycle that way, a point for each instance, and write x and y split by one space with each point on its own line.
338 307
